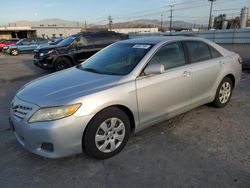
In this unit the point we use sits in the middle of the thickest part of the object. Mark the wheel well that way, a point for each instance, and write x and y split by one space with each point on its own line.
232 78
67 57
129 114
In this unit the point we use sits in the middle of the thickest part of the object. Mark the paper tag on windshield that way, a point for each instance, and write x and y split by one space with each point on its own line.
142 46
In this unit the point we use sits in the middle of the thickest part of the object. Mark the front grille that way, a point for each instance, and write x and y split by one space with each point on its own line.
20 111
36 55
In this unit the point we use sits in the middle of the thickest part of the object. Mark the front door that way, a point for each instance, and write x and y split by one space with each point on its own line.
164 95
83 49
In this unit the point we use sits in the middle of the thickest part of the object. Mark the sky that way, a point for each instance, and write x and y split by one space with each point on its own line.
97 11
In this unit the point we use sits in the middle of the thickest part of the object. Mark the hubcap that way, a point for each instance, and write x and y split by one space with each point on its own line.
110 135
225 92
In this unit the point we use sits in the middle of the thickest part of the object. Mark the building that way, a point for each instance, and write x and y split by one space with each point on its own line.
136 30
41 31
56 31
244 17
221 22
16 32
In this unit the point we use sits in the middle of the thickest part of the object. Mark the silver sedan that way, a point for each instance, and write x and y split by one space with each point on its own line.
122 89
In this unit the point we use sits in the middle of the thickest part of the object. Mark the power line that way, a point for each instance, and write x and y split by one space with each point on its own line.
179 7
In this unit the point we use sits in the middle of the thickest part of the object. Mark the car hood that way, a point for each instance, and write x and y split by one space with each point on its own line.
46 48
65 86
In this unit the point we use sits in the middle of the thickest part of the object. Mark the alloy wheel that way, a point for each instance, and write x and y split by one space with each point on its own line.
14 52
225 92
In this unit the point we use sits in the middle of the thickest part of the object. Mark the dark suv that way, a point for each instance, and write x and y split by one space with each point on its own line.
74 49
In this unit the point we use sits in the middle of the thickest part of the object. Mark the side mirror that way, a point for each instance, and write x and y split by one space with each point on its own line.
154 69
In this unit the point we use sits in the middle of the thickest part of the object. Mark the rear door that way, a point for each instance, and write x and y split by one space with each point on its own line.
163 95
205 67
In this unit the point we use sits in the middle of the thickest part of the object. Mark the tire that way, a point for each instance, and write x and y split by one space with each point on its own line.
223 93
14 52
62 63
102 143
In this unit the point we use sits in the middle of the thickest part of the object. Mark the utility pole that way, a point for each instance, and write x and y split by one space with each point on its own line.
161 22
171 17
210 15
85 25
110 19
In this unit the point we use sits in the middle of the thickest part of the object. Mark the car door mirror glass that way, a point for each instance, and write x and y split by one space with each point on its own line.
154 69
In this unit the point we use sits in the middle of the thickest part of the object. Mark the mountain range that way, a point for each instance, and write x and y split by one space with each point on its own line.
140 23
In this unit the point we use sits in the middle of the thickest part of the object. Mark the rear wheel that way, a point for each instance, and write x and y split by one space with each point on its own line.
62 63
107 133
224 93
14 52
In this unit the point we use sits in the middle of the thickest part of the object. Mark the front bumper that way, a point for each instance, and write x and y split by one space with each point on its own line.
65 135
44 63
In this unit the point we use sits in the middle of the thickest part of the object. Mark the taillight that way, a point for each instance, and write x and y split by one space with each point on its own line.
239 60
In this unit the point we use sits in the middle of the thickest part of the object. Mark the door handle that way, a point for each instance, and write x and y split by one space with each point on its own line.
186 73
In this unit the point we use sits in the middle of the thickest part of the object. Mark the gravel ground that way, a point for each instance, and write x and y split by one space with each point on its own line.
206 147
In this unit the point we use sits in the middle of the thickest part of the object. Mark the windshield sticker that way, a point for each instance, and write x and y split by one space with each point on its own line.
141 46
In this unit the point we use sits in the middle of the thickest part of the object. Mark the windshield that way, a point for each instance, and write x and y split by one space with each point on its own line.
19 42
67 41
118 59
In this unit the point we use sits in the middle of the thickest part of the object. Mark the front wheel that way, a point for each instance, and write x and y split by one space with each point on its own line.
224 93
14 52
107 133
62 63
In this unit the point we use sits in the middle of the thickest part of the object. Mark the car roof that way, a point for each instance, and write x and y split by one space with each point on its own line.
158 39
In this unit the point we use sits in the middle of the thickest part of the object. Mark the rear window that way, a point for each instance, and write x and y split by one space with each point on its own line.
198 51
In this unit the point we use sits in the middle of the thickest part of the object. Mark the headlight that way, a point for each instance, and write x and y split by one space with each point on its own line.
54 113
43 54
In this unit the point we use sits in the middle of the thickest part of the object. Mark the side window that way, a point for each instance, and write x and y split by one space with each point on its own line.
33 41
214 52
198 51
42 40
81 41
171 55
26 42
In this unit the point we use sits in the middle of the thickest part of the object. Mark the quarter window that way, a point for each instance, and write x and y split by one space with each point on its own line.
214 52
198 51
171 55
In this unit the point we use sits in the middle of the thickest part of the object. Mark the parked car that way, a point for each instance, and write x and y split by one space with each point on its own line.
74 49
7 42
25 45
122 89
